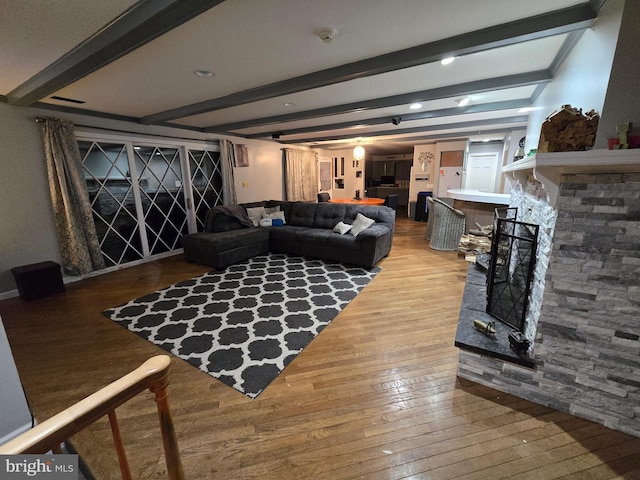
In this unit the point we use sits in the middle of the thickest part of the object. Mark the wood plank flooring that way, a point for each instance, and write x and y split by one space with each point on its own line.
375 396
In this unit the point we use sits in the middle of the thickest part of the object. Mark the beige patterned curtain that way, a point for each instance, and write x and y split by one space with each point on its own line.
79 245
300 175
227 159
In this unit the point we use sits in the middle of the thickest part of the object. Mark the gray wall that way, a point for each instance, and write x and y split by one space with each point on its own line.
26 217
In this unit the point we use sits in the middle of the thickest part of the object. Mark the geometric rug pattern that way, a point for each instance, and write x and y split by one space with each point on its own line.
245 324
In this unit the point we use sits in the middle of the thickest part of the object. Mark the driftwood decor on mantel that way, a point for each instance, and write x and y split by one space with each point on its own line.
568 130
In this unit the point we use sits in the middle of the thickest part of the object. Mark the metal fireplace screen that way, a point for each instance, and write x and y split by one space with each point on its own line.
513 257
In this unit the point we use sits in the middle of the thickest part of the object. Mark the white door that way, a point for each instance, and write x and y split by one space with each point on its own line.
481 171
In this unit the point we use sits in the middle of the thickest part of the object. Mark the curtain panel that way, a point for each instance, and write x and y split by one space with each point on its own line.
300 175
227 162
79 245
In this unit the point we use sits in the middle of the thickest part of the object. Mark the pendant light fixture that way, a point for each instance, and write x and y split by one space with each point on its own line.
358 152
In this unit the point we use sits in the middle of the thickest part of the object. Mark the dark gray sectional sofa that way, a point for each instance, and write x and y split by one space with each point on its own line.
308 231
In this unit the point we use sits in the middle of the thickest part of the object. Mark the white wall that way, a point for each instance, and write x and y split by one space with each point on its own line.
443 173
511 147
418 182
263 177
27 232
582 79
351 183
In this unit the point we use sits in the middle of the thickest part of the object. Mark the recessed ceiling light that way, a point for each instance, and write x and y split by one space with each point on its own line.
415 106
447 61
203 73
486 140
289 104
525 110
463 101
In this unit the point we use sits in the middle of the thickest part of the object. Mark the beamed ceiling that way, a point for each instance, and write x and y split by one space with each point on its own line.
271 75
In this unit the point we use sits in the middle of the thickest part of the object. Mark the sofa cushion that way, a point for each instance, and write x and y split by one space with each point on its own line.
255 204
284 207
283 239
255 214
314 236
302 214
329 214
360 223
342 228
225 240
221 249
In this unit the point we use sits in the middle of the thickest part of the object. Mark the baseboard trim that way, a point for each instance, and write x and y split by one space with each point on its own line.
70 279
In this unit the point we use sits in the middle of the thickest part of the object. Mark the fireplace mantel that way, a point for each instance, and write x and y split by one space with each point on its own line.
548 168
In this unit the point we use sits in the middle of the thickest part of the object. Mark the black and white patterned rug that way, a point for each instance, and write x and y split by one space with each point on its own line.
245 324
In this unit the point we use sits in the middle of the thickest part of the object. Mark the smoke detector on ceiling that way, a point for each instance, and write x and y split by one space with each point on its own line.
327 34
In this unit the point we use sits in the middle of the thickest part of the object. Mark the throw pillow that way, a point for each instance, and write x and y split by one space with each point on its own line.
360 223
277 214
342 228
255 214
271 221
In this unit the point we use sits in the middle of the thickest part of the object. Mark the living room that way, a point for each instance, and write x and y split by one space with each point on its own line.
28 210
375 348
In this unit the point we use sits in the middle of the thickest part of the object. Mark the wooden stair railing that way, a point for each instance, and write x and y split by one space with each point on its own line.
152 374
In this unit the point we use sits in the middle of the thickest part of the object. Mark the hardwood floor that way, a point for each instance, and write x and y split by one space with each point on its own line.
375 396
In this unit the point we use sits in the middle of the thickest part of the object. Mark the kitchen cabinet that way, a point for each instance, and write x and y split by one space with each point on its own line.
384 168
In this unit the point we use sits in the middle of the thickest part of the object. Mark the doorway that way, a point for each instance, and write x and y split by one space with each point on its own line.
481 172
451 167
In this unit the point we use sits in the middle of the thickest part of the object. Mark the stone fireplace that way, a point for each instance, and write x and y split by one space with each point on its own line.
583 319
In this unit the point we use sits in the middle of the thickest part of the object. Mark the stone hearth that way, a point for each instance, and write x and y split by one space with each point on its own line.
473 308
